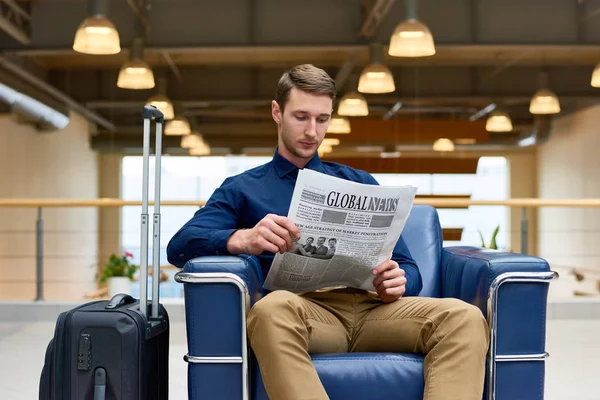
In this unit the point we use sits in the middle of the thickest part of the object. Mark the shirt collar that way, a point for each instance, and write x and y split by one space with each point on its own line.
284 167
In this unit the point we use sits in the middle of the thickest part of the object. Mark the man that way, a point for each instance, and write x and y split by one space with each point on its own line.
321 248
246 215
308 247
329 251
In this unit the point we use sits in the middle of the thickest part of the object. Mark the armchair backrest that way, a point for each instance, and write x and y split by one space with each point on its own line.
423 236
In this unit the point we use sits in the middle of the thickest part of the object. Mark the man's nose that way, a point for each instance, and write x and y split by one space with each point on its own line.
311 129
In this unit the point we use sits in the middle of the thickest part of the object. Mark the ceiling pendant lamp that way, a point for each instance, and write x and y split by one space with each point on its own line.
191 141
97 34
353 105
544 101
323 149
376 77
411 38
161 101
178 126
339 125
136 73
595 82
330 141
163 104
200 150
443 144
498 121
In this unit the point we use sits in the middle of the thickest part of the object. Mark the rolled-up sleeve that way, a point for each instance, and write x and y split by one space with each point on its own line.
208 231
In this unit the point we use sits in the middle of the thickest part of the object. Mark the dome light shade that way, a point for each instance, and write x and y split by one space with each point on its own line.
192 141
136 74
200 150
330 141
353 104
411 38
376 78
339 125
498 121
443 144
596 77
163 104
324 148
97 35
178 126
544 101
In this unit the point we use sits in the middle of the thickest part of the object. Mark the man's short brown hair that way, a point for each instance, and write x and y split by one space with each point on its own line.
305 77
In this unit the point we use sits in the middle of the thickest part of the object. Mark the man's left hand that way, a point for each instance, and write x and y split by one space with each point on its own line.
389 281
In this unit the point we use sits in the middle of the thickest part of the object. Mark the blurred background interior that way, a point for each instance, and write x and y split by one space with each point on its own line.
473 101
467 99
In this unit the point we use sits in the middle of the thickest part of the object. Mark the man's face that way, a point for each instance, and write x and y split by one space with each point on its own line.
332 242
309 241
303 124
320 241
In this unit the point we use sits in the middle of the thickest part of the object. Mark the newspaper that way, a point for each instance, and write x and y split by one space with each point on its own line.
346 229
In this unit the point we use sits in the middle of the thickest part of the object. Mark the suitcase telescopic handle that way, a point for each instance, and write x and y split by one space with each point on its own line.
148 113
153 112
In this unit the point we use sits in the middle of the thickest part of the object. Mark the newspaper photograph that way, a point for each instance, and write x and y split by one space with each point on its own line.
347 229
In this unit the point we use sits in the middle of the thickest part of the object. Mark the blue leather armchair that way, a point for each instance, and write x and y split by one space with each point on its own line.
510 289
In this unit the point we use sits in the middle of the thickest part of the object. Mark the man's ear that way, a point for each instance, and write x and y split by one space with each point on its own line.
276 112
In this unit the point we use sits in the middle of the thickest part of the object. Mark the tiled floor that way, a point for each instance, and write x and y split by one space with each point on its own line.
572 369
22 349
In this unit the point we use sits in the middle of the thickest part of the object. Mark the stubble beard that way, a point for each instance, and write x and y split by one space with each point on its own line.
290 146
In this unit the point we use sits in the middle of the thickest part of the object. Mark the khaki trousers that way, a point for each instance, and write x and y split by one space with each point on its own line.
284 328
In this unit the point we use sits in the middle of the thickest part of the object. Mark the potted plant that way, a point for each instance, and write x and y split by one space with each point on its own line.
493 245
118 272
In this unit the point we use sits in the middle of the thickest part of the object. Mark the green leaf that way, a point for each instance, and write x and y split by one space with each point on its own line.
117 266
482 241
493 244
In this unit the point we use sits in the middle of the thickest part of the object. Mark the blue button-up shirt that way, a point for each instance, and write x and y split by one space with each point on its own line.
243 200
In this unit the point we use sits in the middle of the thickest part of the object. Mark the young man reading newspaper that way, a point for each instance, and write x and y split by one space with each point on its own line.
246 215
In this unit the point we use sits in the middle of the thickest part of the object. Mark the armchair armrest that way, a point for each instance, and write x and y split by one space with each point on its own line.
219 291
511 290
245 267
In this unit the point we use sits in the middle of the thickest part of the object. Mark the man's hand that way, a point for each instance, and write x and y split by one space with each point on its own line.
272 233
389 281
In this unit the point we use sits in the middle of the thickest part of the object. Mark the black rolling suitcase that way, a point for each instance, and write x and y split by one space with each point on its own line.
117 349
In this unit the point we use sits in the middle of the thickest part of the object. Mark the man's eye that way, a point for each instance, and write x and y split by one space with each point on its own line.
300 118
323 120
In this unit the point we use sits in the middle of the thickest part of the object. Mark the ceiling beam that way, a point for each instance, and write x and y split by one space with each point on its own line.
15 21
365 132
373 19
363 129
479 100
325 55
411 165
106 142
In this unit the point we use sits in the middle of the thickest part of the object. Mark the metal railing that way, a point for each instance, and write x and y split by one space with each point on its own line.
40 204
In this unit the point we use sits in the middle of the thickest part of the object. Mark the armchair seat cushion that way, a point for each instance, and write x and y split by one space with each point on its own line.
366 376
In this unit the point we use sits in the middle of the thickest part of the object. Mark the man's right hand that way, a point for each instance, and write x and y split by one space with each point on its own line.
272 233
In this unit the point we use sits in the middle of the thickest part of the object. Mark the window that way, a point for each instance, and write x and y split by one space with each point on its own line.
490 182
183 178
196 178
